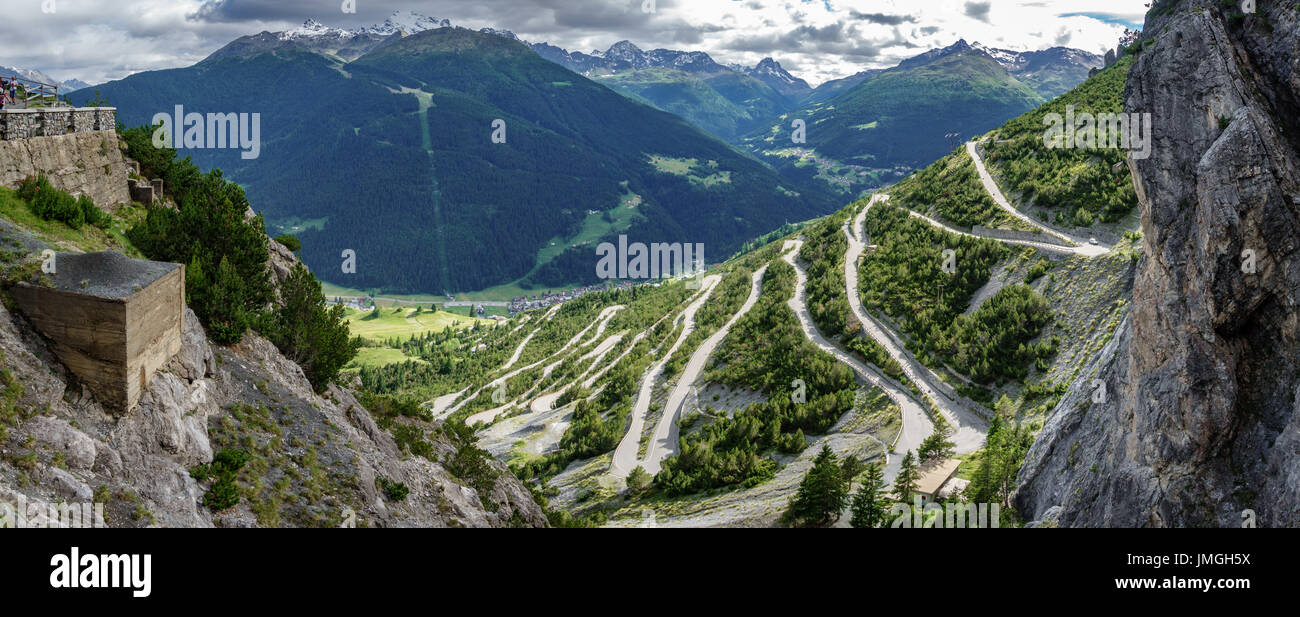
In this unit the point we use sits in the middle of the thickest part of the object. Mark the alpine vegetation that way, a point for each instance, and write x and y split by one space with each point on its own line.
1088 131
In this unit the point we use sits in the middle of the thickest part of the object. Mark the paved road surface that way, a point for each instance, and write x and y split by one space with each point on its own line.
665 440
916 423
625 455
1081 245
969 427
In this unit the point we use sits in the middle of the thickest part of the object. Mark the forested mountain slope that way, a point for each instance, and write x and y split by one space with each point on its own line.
392 156
895 121
879 332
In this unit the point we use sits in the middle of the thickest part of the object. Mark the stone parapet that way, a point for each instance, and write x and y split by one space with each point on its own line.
54 121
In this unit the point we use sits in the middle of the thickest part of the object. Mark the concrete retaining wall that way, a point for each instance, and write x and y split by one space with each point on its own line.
1011 234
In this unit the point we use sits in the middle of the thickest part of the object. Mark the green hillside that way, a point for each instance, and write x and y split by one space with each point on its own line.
727 105
895 121
1069 186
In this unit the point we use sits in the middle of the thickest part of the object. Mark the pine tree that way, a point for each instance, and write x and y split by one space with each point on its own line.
905 483
639 480
1000 459
314 336
821 495
869 503
937 446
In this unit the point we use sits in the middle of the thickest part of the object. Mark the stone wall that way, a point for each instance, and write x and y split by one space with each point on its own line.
19 124
53 121
1013 234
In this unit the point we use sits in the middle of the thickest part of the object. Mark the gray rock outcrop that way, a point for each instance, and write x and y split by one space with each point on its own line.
88 163
316 459
1200 415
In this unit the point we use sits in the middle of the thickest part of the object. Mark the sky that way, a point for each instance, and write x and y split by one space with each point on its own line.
818 40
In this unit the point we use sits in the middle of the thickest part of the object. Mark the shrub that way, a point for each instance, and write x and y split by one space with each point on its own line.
290 242
1037 271
223 494
51 204
638 481
394 491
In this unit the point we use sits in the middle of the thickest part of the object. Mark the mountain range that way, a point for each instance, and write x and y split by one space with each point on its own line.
726 100
70 85
891 122
405 109
392 155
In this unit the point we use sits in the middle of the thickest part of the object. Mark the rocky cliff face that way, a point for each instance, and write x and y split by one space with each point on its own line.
314 460
1200 414
87 163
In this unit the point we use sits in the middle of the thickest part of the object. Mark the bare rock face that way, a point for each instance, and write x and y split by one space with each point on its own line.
281 260
1200 419
316 459
88 163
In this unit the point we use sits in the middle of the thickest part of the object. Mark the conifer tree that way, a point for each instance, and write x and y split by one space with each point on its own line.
905 483
868 506
821 495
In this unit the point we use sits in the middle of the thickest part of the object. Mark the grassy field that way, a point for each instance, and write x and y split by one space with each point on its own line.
293 225
404 323
379 356
706 175
594 227
500 293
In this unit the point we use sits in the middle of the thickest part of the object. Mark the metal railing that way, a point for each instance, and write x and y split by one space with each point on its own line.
31 93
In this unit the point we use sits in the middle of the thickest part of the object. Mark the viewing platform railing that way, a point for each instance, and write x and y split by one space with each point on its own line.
32 94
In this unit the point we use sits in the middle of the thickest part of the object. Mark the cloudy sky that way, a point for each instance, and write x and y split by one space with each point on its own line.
99 40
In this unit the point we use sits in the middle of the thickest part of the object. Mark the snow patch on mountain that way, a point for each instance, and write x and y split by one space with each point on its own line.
407 22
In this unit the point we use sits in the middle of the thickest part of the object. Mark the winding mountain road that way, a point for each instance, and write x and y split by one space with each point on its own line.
1081 246
1044 246
491 414
625 455
969 426
664 443
916 422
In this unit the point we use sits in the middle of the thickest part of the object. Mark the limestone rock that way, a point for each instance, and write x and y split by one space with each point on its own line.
88 163
57 435
1203 417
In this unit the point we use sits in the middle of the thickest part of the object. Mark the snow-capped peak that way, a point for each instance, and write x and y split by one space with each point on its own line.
400 21
1004 57
313 28
624 50
771 67
502 33
407 21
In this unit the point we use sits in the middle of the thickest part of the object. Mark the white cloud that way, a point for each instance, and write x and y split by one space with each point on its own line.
96 40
